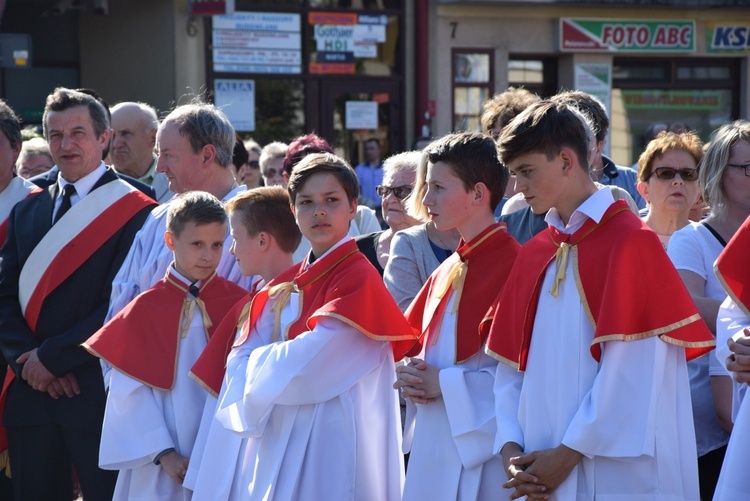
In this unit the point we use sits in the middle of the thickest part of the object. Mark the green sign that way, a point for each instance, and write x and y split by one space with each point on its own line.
709 100
626 35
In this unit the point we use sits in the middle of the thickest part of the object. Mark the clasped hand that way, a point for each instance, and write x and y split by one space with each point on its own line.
537 473
39 378
418 381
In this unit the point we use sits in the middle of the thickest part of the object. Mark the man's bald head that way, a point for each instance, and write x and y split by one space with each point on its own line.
134 126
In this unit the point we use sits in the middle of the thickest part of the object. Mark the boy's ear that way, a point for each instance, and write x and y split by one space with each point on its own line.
264 239
481 193
567 158
353 209
169 240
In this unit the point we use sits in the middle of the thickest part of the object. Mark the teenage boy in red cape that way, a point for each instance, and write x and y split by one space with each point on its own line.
450 420
733 351
264 237
309 378
593 329
153 407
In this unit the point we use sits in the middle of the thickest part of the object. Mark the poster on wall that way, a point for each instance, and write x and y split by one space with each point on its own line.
236 98
342 37
257 42
596 79
361 115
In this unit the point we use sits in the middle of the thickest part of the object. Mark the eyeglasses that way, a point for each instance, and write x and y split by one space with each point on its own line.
741 166
671 172
399 192
253 164
269 173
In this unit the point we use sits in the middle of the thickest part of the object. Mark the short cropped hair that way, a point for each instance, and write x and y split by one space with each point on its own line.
34 147
324 162
149 119
545 127
589 106
406 161
10 125
267 209
63 99
252 145
303 146
203 124
270 152
197 207
474 158
689 142
504 107
714 164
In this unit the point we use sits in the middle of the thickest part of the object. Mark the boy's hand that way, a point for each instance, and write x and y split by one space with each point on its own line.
549 466
418 381
175 465
523 483
738 363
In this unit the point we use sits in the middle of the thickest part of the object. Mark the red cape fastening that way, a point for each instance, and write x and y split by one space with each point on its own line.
143 339
629 289
341 285
488 259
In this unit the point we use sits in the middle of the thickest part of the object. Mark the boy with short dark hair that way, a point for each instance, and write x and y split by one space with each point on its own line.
264 236
601 406
308 379
450 422
153 409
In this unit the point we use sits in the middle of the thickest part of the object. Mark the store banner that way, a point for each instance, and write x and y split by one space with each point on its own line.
703 100
727 38
210 7
626 35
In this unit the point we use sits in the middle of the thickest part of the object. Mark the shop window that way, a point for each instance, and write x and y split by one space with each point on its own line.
472 86
653 95
538 75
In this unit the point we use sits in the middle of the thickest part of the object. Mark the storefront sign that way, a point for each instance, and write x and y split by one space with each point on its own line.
236 98
361 115
596 80
346 34
257 42
672 99
727 38
620 35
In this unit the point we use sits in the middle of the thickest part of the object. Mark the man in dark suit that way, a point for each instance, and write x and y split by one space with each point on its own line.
50 177
63 249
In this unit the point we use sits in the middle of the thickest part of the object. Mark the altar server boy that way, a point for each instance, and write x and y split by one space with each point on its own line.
153 408
450 424
309 378
592 330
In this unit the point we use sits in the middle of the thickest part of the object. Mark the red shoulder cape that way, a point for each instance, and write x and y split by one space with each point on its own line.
208 370
488 259
342 285
143 339
629 289
732 268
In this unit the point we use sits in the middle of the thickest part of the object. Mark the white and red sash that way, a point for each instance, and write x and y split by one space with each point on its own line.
17 190
75 238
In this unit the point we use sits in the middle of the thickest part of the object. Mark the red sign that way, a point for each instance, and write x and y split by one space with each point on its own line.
208 7
338 18
332 68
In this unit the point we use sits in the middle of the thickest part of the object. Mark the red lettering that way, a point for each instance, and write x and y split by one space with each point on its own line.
606 34
618 35
672 36
685 32
660 39
642 36
631 32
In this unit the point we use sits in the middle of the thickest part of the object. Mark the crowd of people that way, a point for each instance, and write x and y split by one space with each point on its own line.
506 313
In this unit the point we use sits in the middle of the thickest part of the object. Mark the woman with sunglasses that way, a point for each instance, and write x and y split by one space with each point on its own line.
668 181
399 172
725 181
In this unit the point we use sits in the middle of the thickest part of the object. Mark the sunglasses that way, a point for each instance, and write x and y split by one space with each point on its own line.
269 173
399 192
253 164
746 167
670 172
